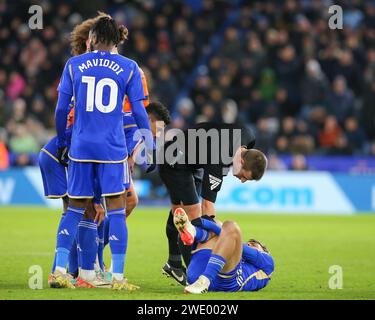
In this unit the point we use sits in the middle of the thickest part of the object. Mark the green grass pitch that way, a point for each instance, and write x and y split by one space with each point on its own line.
304 247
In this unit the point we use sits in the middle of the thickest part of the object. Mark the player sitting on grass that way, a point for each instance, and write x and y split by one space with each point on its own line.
221 261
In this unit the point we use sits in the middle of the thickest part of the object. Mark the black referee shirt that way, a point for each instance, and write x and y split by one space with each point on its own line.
209 146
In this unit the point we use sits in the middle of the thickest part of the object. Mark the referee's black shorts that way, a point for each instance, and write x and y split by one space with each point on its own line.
183 184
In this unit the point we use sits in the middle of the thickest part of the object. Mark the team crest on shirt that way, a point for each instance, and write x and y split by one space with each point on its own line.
214 182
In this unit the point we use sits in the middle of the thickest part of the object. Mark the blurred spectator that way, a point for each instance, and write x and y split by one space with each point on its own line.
22 141
288 127
299 163
354 134
315 87
241 90
341 147
165 85
256 106
330 133
268 85
288 69
215 96
231 46
38 109
302 141
208 114
16 86
350 70
341 100
282 145
229 111
274 163
265 136
185 108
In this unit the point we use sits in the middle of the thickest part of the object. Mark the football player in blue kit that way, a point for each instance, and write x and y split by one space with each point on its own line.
54 176
220 260
98 80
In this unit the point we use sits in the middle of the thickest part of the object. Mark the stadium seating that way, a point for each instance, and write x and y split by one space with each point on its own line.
276 67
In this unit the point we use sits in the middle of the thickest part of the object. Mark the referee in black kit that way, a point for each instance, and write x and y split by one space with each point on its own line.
192 163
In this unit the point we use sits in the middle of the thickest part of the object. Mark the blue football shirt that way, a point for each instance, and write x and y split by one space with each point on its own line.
99 82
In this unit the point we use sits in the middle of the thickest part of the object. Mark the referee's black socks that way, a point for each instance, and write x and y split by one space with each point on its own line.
174 259
185 251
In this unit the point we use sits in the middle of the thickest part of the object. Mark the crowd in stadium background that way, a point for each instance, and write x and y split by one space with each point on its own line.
273 65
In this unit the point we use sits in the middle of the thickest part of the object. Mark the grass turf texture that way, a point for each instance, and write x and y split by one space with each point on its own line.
304 247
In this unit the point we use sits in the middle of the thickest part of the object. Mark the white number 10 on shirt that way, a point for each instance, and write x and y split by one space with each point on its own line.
95 94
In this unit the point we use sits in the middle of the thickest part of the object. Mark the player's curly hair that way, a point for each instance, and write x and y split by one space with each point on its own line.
160 111
80 33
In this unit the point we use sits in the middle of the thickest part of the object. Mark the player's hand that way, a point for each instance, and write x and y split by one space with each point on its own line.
62 156
100 213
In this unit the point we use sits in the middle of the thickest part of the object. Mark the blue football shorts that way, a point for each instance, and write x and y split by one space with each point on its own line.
111 178
54 175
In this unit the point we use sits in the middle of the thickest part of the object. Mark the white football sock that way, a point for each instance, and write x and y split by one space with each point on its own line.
88 275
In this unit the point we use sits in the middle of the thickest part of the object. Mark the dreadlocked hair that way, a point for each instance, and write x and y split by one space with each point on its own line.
107 31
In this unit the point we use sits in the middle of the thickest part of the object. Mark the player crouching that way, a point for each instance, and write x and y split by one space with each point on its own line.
220 260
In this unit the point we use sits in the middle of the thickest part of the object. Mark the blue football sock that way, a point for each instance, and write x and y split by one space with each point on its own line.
214 266
201 235
101 245
106 230
211 226
79 251
58 231
87 242
73 258
118 239
118 263
67 234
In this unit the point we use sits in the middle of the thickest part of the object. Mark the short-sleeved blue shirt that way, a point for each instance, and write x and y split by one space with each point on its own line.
99 81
